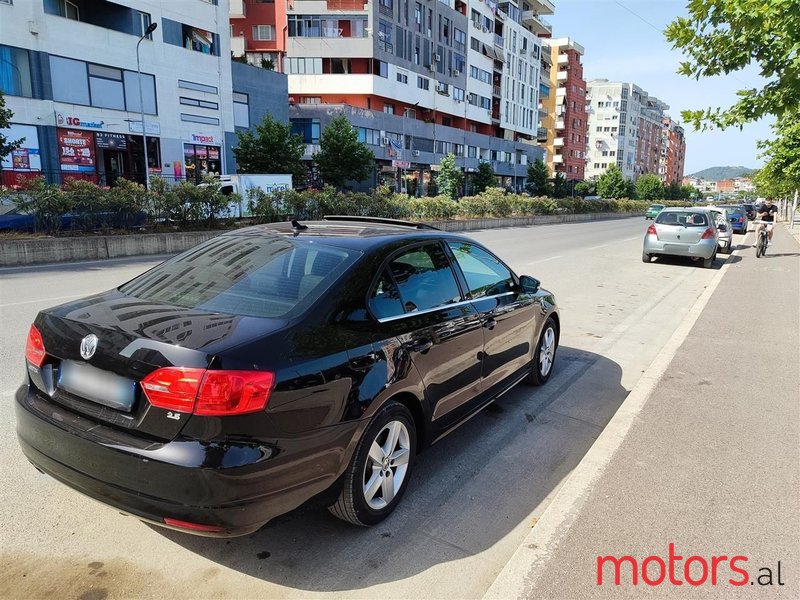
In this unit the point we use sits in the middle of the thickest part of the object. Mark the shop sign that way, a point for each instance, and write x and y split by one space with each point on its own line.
153 127
401 164
68 120
20 159
205 139
111 141
75 150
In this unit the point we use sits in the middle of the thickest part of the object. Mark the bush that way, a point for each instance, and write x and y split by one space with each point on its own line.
128 200
500 204
440 208
47 202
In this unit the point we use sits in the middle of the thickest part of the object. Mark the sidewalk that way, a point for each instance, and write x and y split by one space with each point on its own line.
707 459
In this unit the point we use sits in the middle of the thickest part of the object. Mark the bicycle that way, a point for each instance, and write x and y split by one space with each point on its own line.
763 238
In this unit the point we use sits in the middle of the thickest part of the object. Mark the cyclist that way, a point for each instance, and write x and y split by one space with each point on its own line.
766 212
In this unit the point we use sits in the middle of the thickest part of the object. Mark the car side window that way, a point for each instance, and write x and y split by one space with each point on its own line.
424 278
485 274
384 301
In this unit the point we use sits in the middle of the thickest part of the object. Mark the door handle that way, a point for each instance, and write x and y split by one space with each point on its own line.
364 361
489 323
422 346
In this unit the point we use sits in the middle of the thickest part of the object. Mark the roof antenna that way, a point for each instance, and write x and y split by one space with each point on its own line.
298 226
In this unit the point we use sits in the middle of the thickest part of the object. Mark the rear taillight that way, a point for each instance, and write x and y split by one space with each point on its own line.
34 349
652 230
707 234
208 393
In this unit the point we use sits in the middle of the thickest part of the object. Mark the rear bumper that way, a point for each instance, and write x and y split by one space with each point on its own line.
701 249
234 487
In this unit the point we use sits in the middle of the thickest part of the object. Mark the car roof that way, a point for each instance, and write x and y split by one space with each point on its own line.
353 234
685 208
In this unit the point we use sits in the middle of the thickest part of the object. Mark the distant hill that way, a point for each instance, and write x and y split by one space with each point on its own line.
717 173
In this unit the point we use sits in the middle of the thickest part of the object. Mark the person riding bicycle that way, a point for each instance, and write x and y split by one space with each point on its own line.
766 212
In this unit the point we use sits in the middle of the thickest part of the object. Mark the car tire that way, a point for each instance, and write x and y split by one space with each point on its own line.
708 263
645 257
548 343
726 249
373 473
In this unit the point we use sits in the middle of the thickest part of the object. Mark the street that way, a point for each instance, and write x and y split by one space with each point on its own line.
473 498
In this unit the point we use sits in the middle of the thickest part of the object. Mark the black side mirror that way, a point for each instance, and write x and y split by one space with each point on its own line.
528 284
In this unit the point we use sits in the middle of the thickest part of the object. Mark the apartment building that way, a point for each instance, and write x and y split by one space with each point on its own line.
625 124
259 28
673 152
567 123
419 79
69 72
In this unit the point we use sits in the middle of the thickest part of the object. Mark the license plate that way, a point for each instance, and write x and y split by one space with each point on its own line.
96 385
674 248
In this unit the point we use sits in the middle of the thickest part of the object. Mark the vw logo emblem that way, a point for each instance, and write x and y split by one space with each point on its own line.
88 346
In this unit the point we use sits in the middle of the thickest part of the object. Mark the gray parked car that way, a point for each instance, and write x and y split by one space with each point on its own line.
724 228
690 232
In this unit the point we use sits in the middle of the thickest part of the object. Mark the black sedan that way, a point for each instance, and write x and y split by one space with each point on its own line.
278 363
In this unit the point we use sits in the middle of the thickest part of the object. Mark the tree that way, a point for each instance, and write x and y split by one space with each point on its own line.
585 188
612 184
537 184
484 178
450 177
673 191
271 148
560 186
725 36
6 146
341 156
649 187
780 175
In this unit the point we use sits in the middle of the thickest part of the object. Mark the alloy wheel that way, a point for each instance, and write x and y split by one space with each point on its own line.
387 464
547 351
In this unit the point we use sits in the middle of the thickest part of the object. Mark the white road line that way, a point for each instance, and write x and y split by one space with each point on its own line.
519 576
536 262
45 300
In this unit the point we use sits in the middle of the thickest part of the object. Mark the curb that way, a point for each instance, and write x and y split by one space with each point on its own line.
36 251
519 576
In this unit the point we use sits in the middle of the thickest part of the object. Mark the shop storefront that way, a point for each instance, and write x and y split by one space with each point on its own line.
202 156
104 156
25 162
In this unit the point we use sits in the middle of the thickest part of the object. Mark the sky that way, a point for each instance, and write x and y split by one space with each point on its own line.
624 41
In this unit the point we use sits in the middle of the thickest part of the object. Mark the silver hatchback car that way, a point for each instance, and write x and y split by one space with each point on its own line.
690 232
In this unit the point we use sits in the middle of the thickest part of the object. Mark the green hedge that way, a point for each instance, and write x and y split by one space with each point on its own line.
188 206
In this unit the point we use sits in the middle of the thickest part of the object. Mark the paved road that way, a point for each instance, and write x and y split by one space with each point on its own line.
472 500
710 462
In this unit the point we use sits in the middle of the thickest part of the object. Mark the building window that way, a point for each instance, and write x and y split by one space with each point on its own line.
15 72
304 66
241 110
423 83
385 36
65 8
388 109
106 87
263 33
199 40
197 87
307 129
402 77
188 118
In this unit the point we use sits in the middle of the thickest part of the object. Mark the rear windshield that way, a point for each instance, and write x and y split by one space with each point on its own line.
249 276
734 210
684 218
656 207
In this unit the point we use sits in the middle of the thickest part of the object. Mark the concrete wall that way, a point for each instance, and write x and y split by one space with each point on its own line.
267 91
15 253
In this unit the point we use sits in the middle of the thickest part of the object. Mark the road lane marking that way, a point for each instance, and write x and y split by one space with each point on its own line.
44 300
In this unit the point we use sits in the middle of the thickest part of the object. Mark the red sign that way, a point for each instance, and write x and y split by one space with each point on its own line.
76 150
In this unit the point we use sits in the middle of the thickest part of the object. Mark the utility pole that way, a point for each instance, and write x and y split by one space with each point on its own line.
150 29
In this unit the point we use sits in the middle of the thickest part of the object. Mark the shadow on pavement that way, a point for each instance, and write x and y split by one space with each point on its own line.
680 260
467 494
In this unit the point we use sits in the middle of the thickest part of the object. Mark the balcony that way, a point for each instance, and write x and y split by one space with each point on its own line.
498 40
558 142
563 59
238 44
537 25
544 7
561 125
497 91
108 15
541 134
237 9
346 5
562 76
558 159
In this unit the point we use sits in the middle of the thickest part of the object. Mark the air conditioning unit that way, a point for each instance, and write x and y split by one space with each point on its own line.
456 73
416 152
385 141
488 112
485 29
437 58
